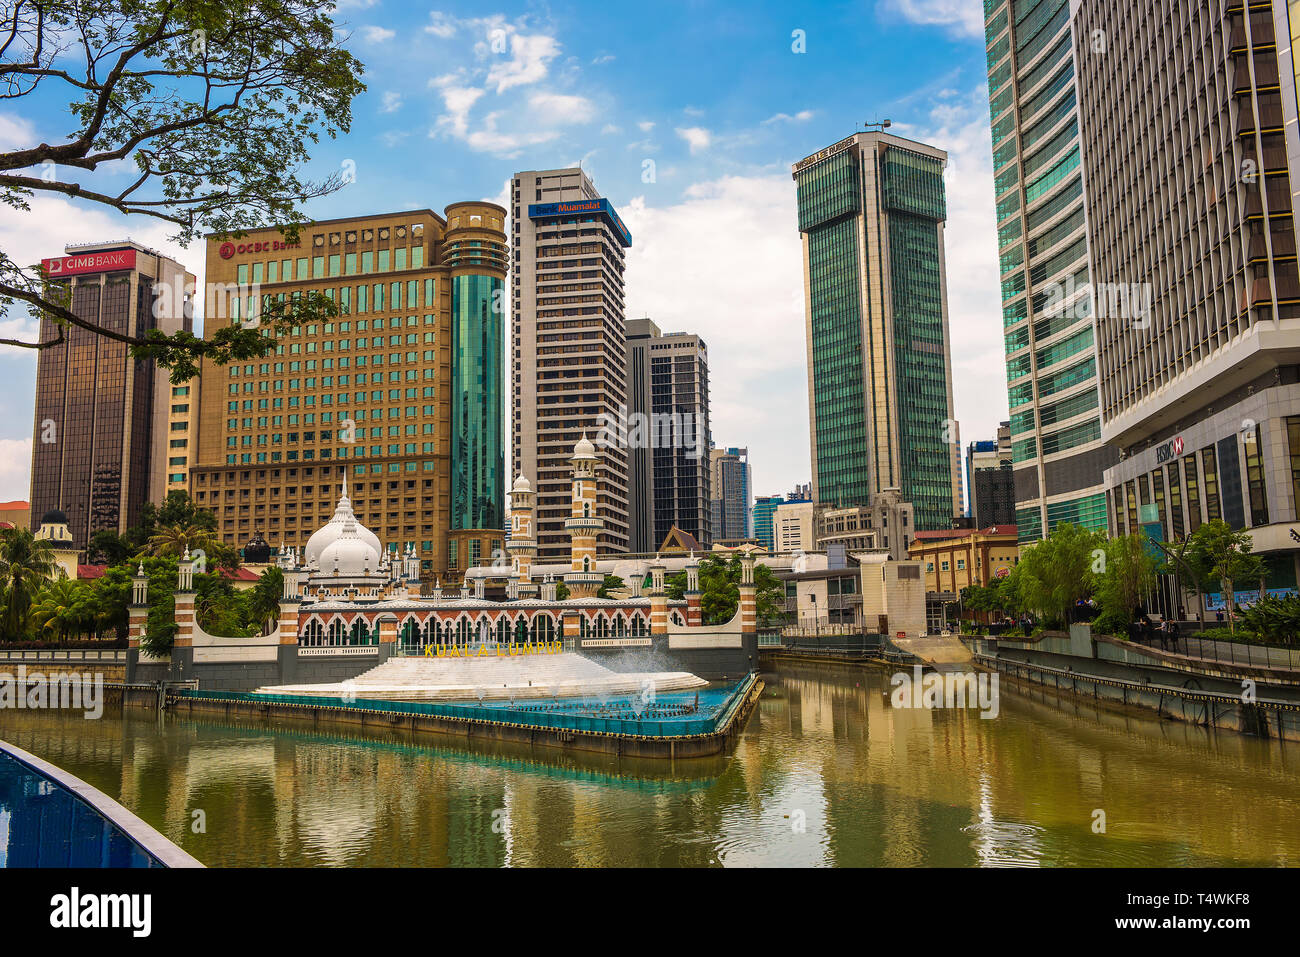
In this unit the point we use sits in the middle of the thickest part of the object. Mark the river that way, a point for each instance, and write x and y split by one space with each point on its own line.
825 773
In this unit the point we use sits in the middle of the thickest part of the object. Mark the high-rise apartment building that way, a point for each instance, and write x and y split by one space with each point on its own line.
400 395
101 441
1190 159
667 436
568 372
730 484
871 214
1051 356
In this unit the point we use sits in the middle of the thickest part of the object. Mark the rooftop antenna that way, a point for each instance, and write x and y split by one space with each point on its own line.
878 126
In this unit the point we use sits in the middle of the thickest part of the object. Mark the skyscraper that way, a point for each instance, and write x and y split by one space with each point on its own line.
400 394
1193 236
871 212
730 483
569 352
1057 448
765 507
990 486
101 439
668 453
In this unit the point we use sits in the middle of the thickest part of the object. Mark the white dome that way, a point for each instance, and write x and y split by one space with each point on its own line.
328 534
349 553
522 485
584 449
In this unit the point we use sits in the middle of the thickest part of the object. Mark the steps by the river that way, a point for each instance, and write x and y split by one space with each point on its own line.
492 677
940 652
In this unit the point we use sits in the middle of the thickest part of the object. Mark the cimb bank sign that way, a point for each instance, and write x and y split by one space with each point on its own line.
89 262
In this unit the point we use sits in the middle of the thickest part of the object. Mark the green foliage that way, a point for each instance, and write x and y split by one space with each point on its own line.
610 582
561 591
1219 553
1057 572
205 109
27 565
1128 575
720 589
1273 619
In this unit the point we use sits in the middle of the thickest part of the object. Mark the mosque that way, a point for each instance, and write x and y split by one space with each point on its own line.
347 602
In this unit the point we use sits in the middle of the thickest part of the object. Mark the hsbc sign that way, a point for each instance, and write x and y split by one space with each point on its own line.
89 262
1170 450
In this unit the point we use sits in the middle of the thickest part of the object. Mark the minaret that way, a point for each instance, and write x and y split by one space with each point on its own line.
523 542
582 525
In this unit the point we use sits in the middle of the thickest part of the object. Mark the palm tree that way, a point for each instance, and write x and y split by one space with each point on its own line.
62 609
27 564
171 541
264 598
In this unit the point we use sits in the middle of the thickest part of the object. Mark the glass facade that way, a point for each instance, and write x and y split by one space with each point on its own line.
1043 256
872 216
913 194
477 453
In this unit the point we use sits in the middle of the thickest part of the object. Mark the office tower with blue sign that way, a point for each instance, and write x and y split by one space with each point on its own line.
568 372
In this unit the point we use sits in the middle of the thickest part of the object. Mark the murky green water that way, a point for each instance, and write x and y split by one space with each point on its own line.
825 773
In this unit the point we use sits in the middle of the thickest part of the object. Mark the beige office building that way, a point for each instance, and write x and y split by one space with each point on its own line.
568 369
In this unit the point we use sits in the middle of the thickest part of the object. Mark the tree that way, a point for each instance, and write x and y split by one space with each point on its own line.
27 565
209 108
1057 572
1129 574
1221 553
264 599
63 609
610 582
720 589
108 548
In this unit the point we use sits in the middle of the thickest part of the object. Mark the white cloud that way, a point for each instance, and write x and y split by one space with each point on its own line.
610 128
960 17
744 298
488 139
15 469
560 109
696 136
441 25
16 132
377 34
645 126
607 58
458 101
392 102
530 58
803 116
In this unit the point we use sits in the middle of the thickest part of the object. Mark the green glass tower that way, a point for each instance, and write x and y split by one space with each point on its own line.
871 212
1058 456
478 259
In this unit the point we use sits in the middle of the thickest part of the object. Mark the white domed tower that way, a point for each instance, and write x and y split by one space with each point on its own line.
523 540
582 524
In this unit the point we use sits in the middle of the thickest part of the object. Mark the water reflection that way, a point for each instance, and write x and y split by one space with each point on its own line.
826 773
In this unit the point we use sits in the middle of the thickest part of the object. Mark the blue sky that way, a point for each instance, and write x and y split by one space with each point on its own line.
688 117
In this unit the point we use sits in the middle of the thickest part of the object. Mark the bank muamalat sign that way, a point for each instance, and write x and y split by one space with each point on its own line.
1170 450
89 262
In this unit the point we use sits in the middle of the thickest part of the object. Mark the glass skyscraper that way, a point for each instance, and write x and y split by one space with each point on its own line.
1057 450
871 211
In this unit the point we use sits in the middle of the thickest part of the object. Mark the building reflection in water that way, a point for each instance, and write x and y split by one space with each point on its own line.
826 773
